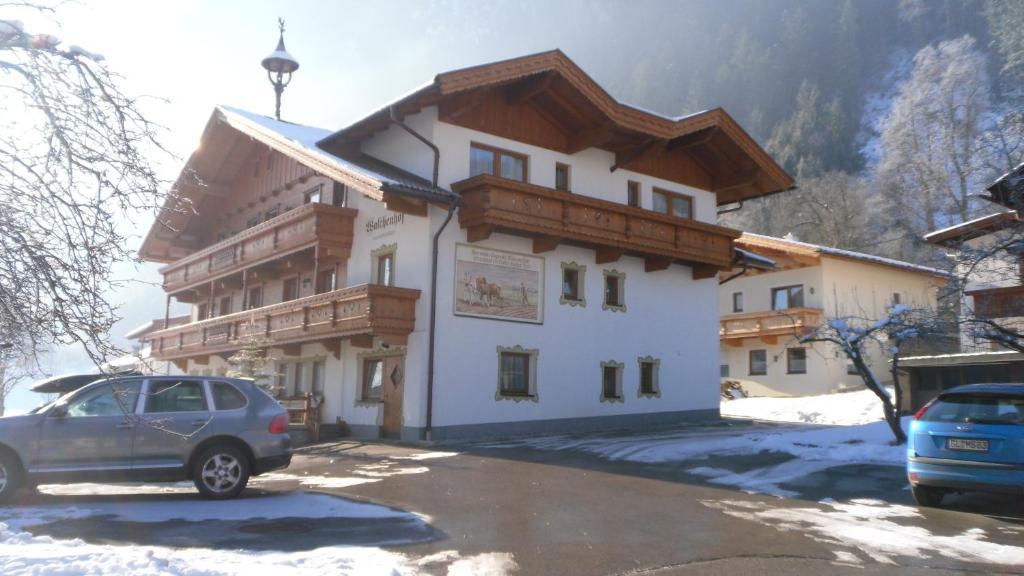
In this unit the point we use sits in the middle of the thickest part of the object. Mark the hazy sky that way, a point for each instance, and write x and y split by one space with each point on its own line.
355 56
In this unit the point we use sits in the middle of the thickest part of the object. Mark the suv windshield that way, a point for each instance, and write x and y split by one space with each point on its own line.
977 408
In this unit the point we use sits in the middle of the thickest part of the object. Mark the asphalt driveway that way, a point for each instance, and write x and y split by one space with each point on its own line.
571 512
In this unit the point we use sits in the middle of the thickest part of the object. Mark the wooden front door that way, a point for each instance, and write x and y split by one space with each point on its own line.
392 394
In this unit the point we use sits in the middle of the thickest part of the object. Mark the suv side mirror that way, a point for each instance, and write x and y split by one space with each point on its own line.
58 411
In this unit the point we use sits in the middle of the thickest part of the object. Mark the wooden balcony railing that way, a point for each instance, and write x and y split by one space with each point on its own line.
294 230
1005 302
552 216
769 323
366 310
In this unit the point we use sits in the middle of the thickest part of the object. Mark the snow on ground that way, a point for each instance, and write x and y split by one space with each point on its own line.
870 527
312 481
21 553
283 505
843 409
813 448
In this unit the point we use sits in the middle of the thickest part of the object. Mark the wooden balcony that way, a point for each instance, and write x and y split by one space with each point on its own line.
552 216
768 325
299 229
359 312
1005 302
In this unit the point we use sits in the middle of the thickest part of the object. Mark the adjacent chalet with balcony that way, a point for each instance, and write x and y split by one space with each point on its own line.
764 313
995 290
505 250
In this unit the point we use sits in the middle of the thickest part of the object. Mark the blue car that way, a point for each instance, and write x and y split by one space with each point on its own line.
968 438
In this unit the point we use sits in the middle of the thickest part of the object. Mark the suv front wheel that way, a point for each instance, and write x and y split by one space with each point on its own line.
221 472
10 477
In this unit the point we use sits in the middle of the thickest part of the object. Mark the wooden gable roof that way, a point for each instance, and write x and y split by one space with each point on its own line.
547 100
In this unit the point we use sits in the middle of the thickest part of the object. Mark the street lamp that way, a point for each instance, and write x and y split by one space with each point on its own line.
279 64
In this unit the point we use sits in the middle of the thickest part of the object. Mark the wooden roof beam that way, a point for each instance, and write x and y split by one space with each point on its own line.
523 91
589 138
739 180
694 139
649 148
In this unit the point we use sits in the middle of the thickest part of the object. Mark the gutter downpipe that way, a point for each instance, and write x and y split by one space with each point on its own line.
435 249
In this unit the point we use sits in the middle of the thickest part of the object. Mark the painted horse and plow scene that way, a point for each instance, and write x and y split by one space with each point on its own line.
498 284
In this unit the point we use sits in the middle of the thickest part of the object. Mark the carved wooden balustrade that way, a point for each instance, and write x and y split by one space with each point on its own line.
552 216
295 230
367 310
769 324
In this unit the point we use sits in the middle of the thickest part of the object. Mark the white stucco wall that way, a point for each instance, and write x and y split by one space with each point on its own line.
841 288
757 289
669 316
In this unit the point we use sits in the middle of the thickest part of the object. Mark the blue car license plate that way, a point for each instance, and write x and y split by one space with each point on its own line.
968 444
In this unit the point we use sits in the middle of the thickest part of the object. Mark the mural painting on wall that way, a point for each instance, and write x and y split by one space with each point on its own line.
498 284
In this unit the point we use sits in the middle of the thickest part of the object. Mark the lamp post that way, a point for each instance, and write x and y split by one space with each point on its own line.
279 66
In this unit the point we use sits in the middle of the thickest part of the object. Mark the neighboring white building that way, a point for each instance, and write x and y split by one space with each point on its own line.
574 286
763 314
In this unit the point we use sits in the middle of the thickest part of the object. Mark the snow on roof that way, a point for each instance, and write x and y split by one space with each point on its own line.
977 225
300 142
156 324
841 253
754 259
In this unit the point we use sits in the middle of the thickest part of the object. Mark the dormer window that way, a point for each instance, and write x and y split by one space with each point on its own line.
489 160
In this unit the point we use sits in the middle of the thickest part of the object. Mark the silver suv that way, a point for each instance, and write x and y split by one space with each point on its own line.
215 431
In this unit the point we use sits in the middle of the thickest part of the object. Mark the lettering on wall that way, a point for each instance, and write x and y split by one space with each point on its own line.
382 223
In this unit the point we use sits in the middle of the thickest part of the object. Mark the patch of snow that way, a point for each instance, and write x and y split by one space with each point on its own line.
386 472
92 489
23 554
846 408
869 526
814 448
426 456
487 564
313 481
287 505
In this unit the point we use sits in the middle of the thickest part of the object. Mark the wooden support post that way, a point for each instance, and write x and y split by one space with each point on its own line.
478 233
656 264
545 243
316 271
209 302
245 290
702 271
607 255
167 312
362 340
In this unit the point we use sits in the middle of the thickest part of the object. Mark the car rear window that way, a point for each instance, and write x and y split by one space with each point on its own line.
978 408
226 396
175 396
